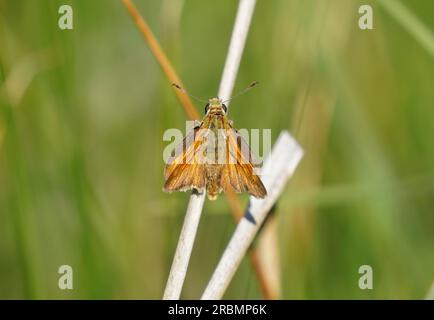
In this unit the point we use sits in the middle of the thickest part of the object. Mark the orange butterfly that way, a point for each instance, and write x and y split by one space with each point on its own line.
213 156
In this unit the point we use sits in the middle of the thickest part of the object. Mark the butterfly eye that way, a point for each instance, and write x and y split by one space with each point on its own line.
206 108
225 109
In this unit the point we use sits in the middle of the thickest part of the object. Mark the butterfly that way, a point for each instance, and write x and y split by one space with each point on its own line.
213 157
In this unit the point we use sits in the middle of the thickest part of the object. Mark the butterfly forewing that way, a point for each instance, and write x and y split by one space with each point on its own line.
240 176
184 169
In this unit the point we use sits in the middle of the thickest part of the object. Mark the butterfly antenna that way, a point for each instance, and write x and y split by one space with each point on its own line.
250 86
177 86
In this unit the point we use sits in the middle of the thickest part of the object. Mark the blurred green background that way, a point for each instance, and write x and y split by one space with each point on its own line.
83 111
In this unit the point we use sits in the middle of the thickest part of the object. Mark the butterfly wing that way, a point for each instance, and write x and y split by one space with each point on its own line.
238 173
184 171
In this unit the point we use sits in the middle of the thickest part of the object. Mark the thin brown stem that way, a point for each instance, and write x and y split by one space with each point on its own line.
162 59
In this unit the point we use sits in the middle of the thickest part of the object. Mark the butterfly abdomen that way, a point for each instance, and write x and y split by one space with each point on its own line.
213 176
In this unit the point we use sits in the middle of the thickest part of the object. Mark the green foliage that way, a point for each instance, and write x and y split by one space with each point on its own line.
82 113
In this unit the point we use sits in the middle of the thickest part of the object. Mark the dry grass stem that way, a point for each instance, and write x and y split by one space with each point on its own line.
238 39
162 59
278 168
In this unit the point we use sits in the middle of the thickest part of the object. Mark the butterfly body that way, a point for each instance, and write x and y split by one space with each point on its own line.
213 157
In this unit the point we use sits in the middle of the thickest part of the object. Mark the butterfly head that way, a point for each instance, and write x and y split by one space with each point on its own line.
215 106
